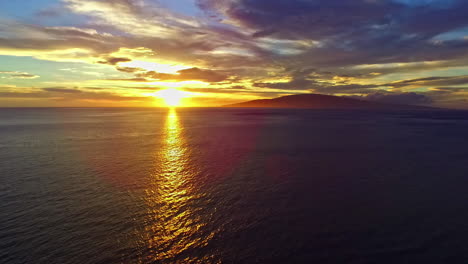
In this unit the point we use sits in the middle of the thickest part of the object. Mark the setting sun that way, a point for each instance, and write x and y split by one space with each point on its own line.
172 97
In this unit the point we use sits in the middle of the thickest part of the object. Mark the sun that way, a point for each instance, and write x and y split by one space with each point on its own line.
172 97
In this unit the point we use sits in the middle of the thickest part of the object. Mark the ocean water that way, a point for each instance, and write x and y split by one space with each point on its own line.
233 186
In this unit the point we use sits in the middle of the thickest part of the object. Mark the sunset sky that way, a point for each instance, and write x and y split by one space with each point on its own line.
75 53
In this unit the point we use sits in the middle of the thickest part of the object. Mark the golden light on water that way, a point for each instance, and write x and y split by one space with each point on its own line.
172 97
174 220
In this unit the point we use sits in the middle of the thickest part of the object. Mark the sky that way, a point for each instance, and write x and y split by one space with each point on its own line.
126 53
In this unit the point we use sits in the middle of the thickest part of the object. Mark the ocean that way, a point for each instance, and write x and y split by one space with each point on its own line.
219 185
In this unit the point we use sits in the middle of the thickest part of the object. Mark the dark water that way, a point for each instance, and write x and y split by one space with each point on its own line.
232 186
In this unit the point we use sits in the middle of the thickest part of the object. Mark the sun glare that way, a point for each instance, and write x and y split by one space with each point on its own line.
172 97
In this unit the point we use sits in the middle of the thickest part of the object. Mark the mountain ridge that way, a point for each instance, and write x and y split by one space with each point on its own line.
320 101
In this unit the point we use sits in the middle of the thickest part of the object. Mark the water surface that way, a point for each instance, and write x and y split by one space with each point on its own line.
232 186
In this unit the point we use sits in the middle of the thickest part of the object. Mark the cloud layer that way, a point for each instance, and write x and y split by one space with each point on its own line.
385 50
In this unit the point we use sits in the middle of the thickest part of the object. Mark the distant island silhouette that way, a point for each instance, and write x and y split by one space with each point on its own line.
321 101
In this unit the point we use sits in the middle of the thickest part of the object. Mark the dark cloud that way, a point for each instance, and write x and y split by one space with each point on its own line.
36 39
373 71
129 69
321 86
231 89
399 98
192 74
202 75
238 87
432 81
327 87
138 79
61 90
339 20
354 31
296 19
344 89
296 84
114 60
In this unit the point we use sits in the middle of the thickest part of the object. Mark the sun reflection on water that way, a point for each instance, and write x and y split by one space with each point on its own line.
174 220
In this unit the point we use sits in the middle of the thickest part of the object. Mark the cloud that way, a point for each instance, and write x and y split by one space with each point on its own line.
295 19
351 32
137 79
449 90
70 94
229 90
344 89
62 90
266 46
54 43
114 60
192 74
452 97
129 69
307 80
432 81
295 84
17 75
399 98
337 20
